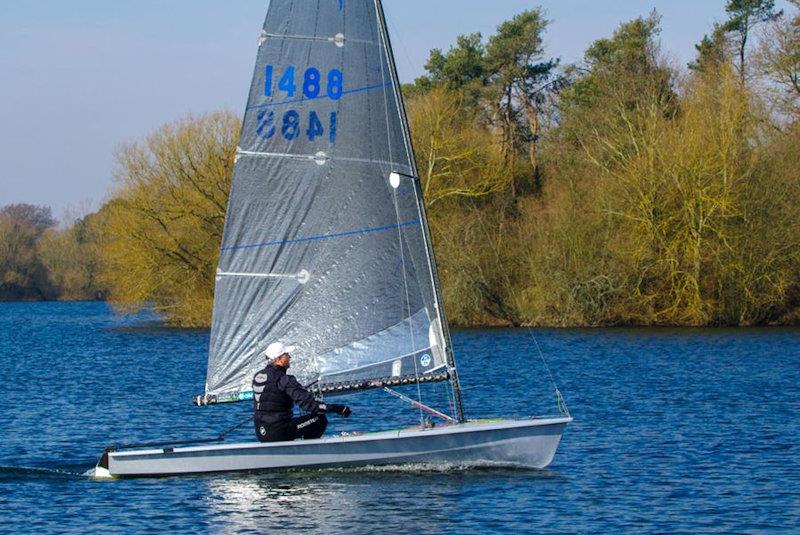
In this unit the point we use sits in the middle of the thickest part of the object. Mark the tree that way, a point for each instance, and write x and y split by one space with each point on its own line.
39 218
462 171
164 227
455 155
72 258
22 274
623 70
712 51
520 78
778 58
745 15
461 66
460 69
621 86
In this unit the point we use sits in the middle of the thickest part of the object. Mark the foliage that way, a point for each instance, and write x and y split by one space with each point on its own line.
672 220
520 81
712 51
22 275
778 59
506 83
164 227
39 261
455 156
624 70
72 258
615 191
461 66
744 16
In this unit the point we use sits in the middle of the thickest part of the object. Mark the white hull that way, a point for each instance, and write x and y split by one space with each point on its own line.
528 443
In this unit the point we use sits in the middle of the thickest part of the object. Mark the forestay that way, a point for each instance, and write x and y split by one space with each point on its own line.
325 242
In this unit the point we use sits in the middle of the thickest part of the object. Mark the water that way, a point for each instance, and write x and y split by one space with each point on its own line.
676 430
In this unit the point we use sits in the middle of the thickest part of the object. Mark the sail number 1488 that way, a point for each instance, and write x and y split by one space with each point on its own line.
291 124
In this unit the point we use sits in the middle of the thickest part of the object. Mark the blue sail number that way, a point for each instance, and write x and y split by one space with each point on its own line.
312 82
291 123
287 82
315 128
290 127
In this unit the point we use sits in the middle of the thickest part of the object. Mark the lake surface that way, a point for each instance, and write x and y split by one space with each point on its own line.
690 430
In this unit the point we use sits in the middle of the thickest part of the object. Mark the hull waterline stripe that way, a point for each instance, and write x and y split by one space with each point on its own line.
324 236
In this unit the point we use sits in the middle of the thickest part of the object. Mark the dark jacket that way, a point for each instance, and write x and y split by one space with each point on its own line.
275 393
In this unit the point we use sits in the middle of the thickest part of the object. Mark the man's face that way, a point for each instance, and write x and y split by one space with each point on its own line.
283 360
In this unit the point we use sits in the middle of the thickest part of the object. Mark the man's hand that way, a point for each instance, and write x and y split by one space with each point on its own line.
341 410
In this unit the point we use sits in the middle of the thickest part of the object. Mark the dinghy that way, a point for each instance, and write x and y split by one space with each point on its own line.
326 246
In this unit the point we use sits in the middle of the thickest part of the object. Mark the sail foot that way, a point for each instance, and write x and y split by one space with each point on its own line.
331 389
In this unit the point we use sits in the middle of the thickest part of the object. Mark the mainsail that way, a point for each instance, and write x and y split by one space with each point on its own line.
325 242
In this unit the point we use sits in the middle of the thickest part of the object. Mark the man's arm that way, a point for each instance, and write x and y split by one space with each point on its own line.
302 397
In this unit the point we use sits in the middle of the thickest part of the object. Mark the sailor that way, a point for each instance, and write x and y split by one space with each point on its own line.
274 394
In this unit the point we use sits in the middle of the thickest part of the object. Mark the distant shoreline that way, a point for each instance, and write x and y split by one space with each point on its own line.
45 300
485 326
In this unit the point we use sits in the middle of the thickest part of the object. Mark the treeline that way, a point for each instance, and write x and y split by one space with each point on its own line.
39 261
621 190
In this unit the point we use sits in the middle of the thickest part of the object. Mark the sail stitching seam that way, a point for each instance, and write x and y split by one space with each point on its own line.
315 38
324 236
312 157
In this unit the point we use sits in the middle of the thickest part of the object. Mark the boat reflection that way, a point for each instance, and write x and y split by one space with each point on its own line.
351 499
258 502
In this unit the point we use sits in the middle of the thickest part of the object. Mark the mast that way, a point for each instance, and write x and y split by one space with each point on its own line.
451 362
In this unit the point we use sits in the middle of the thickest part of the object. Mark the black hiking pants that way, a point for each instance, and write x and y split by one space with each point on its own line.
308 427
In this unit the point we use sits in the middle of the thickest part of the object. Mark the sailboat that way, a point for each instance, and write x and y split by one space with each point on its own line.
326 246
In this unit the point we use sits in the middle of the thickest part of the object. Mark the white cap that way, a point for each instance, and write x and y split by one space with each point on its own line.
276 349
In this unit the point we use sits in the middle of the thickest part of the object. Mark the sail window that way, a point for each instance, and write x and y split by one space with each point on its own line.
321 158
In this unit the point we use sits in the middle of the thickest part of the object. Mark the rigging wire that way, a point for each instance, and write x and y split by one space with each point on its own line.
455 389
560 402
408 308
385 56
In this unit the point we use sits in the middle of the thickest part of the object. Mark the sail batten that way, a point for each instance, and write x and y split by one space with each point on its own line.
325 243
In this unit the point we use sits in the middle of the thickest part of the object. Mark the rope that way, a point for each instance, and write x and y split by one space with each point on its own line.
234 428
561 404
220 438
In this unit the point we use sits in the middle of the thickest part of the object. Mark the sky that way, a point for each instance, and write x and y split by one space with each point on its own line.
80 78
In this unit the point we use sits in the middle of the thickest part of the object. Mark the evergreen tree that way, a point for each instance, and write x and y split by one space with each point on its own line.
744 16
520 78
712 51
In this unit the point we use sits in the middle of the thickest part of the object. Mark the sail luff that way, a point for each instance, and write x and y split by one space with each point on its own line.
423 215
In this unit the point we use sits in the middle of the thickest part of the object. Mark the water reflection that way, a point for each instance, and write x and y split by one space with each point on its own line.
258 502
357 500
